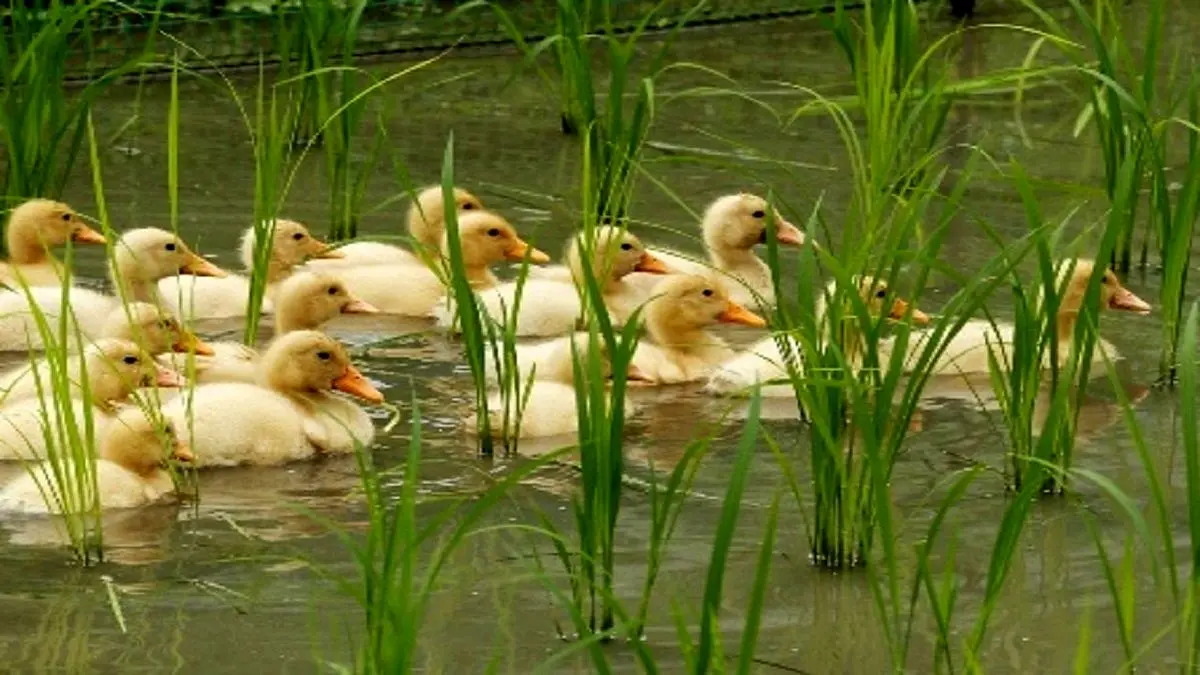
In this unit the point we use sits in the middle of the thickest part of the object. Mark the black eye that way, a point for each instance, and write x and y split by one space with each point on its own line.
626 246
494 232
164 324
170 247
130 359
758 214
881 293
324 356
707 292
66 217
298 236
333 290
467 206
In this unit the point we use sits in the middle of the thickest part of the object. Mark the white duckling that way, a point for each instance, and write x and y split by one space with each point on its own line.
550 307
764 361
289 415
114 370
678 317
129 469
732 226
426 226
34 228
416 290
305 301
221 297
967 352
140 258
137 322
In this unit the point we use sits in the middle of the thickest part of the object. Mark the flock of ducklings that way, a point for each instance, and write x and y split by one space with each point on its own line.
250 407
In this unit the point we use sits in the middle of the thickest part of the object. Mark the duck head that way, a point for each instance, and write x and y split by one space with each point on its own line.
684 304
41 224
115 368
308 361
156 330
308 300
738 223
427 214
141 444
616 253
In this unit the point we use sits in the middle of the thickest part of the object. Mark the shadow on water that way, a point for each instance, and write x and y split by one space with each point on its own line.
230 576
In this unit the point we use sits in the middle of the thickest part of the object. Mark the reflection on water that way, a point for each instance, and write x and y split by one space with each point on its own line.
230 575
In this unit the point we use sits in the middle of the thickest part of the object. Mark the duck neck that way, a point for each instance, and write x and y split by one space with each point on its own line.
290 319
278 271
24 248
131 285
729 258
480 277
684 339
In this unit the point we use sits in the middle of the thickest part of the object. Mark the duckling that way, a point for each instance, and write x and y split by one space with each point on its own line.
114 369
129 469
765 361
140 258
732 226
33 229
550 307
305 302
415 290
967 352
677 318
137 322
426 225
215 298
290 414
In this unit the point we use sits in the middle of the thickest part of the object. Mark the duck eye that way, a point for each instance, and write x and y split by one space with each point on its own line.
66 217
627 246
707 292
130 359
467 206
758 214
170 247
324 356
494 232
298 236
333 290
881 293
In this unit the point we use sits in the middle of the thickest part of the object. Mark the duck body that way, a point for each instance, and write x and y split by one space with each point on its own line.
358 253
762 363
404 290
23 427
118 488
232 423
549 410
89 310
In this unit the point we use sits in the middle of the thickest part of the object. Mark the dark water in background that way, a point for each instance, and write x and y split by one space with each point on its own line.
225 587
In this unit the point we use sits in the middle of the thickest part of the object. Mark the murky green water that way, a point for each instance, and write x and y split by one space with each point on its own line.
225 585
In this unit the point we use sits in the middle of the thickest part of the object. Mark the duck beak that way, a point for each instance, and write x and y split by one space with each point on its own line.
1124 300
188 342
354 383
900 308
202 268
518 249
183 451
86 235
327 252
356 306
166 378
735 313
651 265
787 233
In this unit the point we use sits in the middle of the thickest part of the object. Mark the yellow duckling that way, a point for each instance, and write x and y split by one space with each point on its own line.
678 317
415 290
305 301
114 369
291 414
967 352
222 297
551 307
426 225
33 229
137 322
129 469
764 361
732 226
140 258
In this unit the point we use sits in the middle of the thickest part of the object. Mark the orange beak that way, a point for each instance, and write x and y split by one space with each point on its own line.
651 265
518 249
787 233
735 313
352 382
356 306
900 308
168 378
327 252
183 451
1124 300
86 235
190 343
201 268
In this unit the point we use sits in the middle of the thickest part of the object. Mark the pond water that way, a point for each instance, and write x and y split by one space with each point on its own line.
227 585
